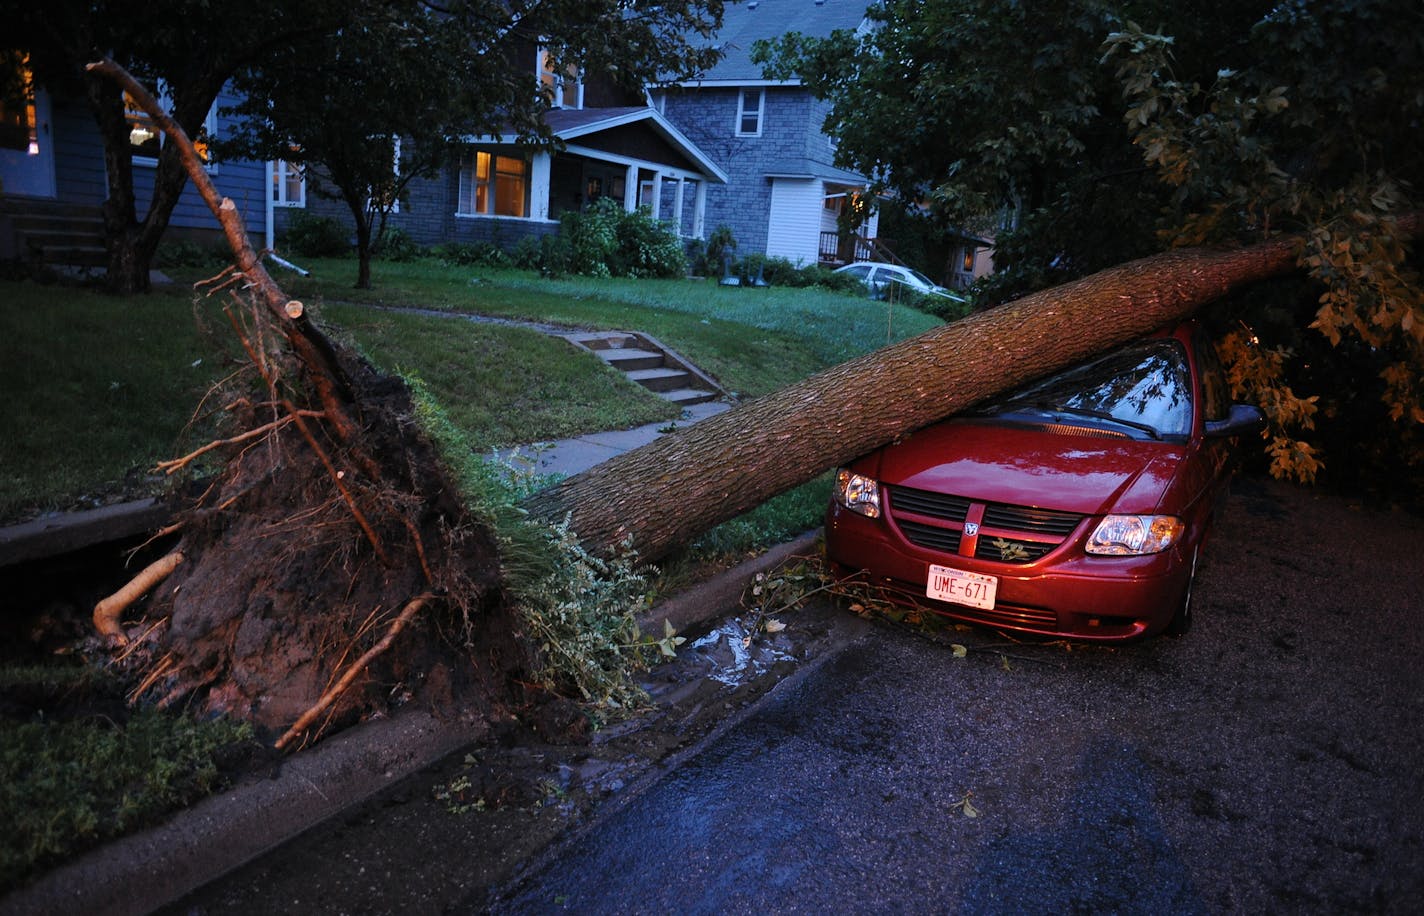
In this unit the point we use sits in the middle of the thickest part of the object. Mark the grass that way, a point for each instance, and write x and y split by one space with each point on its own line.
68 786
99 389
753 341
502 385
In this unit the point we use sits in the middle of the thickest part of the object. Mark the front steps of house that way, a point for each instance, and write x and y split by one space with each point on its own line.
46 233
650 364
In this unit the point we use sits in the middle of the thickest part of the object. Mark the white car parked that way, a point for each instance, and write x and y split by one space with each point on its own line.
878 277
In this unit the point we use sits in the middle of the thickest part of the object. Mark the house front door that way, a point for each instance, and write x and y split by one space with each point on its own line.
27 148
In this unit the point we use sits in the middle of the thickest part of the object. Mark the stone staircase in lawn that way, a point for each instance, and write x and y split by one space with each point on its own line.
651 364
51 234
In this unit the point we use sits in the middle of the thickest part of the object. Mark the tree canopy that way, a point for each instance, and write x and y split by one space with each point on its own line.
391 98
1080 140
369 69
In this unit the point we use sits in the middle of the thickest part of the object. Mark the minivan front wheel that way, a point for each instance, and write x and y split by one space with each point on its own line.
1181 622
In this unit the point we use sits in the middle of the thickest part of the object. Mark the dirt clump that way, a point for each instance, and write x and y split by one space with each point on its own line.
298 561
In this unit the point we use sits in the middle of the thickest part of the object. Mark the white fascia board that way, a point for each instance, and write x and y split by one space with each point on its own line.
666 170
660 123
664 127
736 84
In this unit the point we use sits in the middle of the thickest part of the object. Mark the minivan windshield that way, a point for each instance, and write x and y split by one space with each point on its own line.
1145 386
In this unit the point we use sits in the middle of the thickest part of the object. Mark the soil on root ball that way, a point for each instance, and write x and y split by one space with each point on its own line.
299 559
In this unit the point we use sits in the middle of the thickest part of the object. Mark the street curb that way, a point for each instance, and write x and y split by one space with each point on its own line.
722 592
70 531
142 872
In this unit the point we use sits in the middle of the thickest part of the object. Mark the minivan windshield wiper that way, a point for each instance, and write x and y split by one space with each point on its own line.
1098 415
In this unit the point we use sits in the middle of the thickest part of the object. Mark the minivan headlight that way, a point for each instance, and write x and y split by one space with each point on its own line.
1134 535
858 493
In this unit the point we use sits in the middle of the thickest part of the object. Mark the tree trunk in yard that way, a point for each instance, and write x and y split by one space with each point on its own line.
677 487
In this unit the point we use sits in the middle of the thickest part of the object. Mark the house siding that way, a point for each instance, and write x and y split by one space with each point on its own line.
751 201
81 179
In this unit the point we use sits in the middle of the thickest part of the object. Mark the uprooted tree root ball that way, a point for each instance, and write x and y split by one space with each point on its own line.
301 555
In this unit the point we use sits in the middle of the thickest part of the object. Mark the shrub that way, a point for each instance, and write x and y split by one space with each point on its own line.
471 254
605 241
647 248
397 245
317 236
187 253
528 253
719 243
828 278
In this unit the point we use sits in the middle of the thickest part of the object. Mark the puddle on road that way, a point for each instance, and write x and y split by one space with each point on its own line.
734 653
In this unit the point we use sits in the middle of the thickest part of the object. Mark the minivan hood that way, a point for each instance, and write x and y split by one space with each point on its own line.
1023 465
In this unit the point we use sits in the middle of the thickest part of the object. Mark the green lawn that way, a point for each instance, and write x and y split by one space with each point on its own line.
98 389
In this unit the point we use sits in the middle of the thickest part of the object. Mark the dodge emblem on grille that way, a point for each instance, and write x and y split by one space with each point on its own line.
971 529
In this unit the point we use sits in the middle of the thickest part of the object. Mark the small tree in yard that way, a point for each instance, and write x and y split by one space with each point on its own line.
393 98
191 49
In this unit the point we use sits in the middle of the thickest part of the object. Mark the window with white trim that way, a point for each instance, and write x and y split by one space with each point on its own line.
146 139
750 108
289 184
564 90
492 185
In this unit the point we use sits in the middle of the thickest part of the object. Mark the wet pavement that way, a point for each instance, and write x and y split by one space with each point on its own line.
1270 761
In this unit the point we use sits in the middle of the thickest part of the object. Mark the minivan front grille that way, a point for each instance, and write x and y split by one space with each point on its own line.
1008 533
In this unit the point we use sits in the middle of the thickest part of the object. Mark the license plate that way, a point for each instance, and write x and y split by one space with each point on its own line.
960 587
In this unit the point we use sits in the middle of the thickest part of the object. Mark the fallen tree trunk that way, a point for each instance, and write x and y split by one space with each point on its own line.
665 493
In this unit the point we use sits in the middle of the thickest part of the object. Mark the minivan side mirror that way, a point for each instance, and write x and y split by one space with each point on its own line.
1242 419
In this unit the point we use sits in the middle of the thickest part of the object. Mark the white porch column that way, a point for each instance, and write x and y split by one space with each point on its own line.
677 204
630 189
539 186
699 213
657 200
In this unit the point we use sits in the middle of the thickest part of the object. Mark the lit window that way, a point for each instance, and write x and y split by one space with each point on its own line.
145 137
492 185
749 112
18 123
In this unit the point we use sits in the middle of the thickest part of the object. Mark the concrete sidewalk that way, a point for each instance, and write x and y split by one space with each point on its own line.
574 456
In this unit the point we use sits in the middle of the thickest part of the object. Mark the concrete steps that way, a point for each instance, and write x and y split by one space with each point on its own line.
649 363
51 234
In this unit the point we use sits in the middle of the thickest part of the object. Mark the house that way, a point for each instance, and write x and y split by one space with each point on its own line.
53 181
612 144
784 193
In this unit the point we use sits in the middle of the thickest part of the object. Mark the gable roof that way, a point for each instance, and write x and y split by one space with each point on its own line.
745 23
572 123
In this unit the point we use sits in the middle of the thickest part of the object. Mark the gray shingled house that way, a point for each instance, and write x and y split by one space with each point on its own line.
783 192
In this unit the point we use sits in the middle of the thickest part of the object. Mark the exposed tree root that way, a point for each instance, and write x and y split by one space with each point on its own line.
311 715
177 464
329 502
108 611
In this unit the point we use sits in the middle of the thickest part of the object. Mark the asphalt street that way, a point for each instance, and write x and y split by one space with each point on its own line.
1270 761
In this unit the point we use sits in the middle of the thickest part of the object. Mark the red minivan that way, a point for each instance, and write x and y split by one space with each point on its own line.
1076 506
